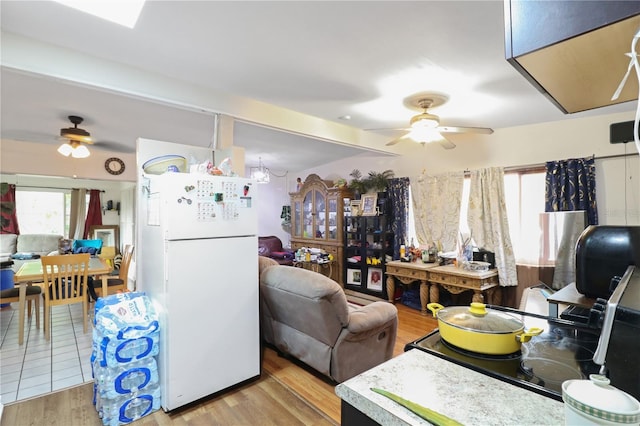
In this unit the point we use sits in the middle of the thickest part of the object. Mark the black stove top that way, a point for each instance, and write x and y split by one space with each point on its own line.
563 351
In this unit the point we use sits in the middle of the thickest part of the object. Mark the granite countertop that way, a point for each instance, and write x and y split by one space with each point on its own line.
462 394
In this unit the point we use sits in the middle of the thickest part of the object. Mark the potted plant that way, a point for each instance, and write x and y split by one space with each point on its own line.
357 184
378 181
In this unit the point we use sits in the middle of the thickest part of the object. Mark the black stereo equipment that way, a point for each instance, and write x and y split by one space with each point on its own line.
483 255
621 132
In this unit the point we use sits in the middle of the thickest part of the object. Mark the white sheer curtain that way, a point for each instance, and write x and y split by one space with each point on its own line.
488 221
436 208
77 214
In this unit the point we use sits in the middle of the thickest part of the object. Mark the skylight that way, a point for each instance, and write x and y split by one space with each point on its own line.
123 12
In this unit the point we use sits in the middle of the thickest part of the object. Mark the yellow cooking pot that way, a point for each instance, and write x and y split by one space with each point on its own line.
479 329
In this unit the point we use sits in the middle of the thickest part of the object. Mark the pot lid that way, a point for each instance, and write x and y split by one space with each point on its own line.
479 318
597 398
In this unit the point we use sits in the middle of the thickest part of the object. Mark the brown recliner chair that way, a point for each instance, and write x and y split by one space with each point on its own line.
306 315
271 247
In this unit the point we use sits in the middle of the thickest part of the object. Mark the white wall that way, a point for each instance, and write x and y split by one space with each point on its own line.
618 180
272 196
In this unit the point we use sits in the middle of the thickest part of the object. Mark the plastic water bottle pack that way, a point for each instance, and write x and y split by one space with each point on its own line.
127 408
111 351
125 371
125 379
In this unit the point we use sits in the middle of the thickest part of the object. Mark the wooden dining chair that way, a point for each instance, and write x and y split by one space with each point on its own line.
65 278
12 295
115 284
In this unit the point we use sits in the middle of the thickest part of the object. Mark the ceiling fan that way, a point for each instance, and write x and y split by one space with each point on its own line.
75 138
75 133
425 127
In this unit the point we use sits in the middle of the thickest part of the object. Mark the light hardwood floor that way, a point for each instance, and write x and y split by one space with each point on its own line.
318 391
286 393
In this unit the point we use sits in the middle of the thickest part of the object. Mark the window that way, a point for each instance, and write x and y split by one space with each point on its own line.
44 211
524 196
524 193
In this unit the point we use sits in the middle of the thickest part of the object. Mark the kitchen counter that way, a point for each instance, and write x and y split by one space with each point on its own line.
467 396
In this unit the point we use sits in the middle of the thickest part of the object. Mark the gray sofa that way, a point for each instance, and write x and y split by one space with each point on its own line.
39 244
306 315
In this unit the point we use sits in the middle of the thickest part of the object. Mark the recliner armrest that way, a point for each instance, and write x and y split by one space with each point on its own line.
371 316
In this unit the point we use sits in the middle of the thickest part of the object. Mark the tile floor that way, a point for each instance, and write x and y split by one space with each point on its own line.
39 366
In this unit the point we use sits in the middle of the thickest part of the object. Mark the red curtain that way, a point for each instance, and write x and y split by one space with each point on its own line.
94 214
8 204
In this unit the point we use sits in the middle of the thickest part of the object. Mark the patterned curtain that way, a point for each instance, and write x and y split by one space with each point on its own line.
398 193
571 185
488 222
436 208
9 215
94 214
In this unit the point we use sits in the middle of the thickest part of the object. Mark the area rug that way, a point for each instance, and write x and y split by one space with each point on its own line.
264 401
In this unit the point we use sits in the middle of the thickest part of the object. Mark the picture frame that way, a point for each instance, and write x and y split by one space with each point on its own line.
369 204
354 276
355 207
374 279
109 234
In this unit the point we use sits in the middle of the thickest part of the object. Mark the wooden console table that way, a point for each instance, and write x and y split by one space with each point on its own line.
456 280
453 279
406 273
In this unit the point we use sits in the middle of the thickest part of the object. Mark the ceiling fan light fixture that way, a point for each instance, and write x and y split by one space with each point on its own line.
425 120
80 151
424 134
65 149
74 149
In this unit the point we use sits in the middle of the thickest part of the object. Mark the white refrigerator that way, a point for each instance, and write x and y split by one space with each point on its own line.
199 266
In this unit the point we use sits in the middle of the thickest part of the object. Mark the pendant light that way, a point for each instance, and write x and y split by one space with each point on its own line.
260 174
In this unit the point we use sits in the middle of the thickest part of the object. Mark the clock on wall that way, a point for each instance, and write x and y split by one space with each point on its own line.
114 165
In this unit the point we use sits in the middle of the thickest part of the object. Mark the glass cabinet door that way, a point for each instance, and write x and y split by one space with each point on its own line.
307 212
297 219
320 216
333 219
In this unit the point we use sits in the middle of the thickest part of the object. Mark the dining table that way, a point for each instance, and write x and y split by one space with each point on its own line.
30 273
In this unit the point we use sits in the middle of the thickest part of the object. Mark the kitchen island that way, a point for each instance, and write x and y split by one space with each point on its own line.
462 394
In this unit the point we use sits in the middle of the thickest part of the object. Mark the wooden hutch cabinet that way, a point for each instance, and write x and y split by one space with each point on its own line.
317 213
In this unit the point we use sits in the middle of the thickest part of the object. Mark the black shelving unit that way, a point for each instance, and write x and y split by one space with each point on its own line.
367 242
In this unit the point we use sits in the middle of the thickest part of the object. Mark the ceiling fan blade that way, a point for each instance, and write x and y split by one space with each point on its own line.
388 129
451 129
446 143
396 140
114 147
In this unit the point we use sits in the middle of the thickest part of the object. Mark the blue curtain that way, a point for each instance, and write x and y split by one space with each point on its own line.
398 193
571 185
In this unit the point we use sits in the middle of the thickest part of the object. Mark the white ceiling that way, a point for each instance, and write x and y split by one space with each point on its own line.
322 59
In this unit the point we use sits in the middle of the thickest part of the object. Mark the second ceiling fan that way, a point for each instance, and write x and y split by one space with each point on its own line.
425 127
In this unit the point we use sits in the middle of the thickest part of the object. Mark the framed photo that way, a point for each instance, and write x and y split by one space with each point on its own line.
354 276
374 279
355 207
369 204
109 234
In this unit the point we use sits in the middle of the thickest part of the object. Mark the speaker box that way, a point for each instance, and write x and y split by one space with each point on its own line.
621 132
